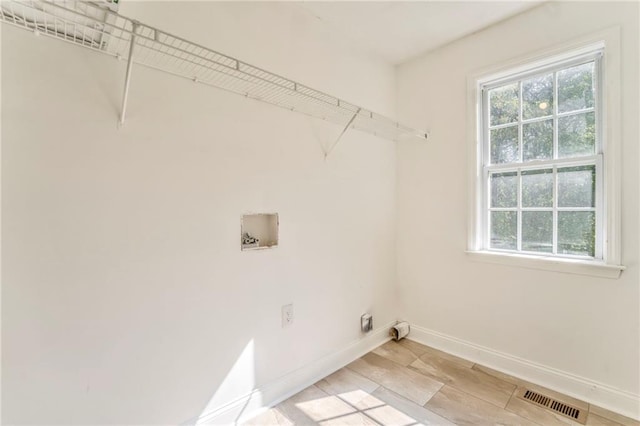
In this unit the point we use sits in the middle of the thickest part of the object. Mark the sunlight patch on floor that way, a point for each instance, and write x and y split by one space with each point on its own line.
353 408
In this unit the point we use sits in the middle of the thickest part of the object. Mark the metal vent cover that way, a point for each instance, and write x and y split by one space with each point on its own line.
566 410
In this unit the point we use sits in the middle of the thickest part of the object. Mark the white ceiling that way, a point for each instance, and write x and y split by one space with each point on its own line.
397 31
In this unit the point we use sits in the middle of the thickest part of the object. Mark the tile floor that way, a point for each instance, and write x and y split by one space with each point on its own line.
405 384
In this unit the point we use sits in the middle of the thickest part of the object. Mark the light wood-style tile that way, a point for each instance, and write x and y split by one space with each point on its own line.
271 417
396 352
418 413
408 384
405 382
346 408
355 419
387 415
610 415
352 388
345 380
312 406
415 347
596 420
548 392
419 350
377 402
325 408
464 409
362 400
474 382
537 414
499 374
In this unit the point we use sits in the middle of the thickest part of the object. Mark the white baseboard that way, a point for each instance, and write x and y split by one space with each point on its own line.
272 393
616 400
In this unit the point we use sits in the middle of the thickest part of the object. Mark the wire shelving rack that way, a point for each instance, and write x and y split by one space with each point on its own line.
93 25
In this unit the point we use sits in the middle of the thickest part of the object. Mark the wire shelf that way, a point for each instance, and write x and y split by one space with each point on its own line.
95 26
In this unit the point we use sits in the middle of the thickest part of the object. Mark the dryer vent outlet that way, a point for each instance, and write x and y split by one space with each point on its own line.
366 323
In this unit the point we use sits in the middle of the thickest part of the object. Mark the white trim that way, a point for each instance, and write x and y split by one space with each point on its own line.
543 164
549 263
569 54
611 113
610 107
276 391
610 398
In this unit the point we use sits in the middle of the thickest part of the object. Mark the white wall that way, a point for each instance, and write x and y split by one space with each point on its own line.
125 296
583 326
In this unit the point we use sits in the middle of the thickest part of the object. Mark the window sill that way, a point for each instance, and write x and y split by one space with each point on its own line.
568 266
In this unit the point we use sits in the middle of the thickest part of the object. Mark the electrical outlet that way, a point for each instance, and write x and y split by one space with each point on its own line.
287 315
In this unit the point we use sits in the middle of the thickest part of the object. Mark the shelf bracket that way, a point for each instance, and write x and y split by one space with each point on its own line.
127 79
326 154
83 24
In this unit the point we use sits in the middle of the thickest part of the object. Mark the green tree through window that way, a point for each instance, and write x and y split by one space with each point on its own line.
542 161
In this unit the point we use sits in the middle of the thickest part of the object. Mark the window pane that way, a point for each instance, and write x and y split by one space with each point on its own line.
577 233
537 140
576 135
504 189
575 88
537 188
504 145
577 186
503 104
504 230
537 97
537 231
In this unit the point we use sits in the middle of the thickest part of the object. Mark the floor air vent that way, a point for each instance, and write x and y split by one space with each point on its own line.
566 410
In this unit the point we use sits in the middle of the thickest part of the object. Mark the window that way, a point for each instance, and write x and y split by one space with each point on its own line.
542 161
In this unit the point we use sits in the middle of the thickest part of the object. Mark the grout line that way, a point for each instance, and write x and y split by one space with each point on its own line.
518 383
434 394
393 360
363 411
536 421
409 349
371 418
446 414
513 412
607 416
368 378
435 379
513 392
356 408
475 367
452 384
515 388
510 398
384 403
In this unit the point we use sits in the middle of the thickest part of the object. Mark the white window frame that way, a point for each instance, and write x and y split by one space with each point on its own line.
519 166
604 47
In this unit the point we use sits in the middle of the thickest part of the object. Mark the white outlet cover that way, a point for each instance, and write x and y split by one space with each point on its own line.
287 315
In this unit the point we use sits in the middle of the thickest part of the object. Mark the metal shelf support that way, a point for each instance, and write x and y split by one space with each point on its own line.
94 26
326 154
127 79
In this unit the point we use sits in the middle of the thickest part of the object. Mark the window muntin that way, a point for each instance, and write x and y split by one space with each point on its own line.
542 161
